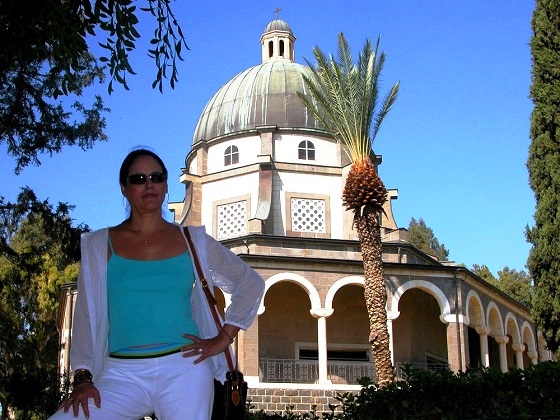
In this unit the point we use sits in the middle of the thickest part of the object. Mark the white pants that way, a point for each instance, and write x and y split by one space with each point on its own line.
171 386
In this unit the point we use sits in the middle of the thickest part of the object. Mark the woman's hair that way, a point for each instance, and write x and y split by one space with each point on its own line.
131 157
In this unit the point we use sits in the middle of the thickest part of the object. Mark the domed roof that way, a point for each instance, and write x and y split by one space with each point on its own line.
261 95
278 25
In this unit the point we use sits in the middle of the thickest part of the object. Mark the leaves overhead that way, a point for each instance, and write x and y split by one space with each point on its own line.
45 62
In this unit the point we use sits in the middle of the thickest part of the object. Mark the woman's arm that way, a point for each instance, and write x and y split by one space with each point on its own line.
230 273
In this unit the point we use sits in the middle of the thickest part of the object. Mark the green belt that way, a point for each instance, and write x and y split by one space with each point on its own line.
143 356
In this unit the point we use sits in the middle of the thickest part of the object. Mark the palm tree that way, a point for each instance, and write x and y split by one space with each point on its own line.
344 97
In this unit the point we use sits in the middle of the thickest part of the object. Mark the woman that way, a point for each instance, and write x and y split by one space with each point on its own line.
144 339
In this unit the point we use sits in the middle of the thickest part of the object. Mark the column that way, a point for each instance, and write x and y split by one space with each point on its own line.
246 347
484 354
502 340
518 349
534 356
455 339
321 315
391 316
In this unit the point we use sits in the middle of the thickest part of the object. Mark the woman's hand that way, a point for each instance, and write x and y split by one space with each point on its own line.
79 397
205 348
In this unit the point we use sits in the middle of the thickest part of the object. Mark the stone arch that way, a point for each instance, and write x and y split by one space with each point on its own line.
528 340
419 332
286 316
476 330
475 310
528 337
314 298
429 288
515 345
494 320
495 328
512 328
358 280
347 325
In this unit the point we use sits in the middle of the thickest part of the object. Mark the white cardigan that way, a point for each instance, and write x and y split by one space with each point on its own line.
221 267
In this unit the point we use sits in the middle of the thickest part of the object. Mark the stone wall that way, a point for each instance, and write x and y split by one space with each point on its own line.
301 400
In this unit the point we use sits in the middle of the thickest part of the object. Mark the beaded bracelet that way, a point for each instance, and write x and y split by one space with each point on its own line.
229 336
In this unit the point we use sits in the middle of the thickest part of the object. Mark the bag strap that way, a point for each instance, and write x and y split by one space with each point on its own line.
209 296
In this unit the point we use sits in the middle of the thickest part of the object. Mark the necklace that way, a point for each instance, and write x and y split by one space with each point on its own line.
146 240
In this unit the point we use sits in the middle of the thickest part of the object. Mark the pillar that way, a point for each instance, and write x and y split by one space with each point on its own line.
456 354
321 315
534 356
518 349
391 316
246 347
502 340
484 354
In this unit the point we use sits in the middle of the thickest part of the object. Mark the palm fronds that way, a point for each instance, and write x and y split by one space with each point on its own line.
345 95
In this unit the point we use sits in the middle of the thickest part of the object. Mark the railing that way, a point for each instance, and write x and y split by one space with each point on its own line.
424 366
307 371
350 372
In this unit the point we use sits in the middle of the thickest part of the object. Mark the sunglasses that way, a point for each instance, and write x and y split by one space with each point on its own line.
138 179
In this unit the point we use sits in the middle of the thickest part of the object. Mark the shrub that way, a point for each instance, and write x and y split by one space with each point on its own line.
477 393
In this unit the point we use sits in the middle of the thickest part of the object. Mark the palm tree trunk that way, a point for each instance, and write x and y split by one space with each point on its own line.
369 233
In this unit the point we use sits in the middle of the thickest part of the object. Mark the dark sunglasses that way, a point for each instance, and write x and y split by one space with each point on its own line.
138 179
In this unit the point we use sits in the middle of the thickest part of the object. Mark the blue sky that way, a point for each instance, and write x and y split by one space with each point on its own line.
454 145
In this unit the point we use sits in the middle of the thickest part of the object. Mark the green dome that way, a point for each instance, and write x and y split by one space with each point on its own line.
261 95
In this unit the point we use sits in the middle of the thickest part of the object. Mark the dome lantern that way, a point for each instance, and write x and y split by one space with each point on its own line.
262 95
277 42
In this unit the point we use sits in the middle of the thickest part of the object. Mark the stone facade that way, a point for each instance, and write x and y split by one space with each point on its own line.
297 400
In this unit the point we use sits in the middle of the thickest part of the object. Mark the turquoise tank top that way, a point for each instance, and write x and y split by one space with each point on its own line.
149 305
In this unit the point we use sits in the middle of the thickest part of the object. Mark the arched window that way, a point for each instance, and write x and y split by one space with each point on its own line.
270 49
306 150
281 48
231 156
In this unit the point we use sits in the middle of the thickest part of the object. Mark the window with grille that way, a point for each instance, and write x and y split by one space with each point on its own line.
306 150
232 219
308 215
231 156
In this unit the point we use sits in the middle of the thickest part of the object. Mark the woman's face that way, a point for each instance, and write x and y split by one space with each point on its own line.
148 196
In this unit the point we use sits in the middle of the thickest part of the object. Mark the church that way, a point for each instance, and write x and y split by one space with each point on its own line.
266 179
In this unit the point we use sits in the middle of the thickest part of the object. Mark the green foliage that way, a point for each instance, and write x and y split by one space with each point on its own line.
423 238
544 170
45 55
346 96
118 19
517 284
478 393
39 250
485 274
